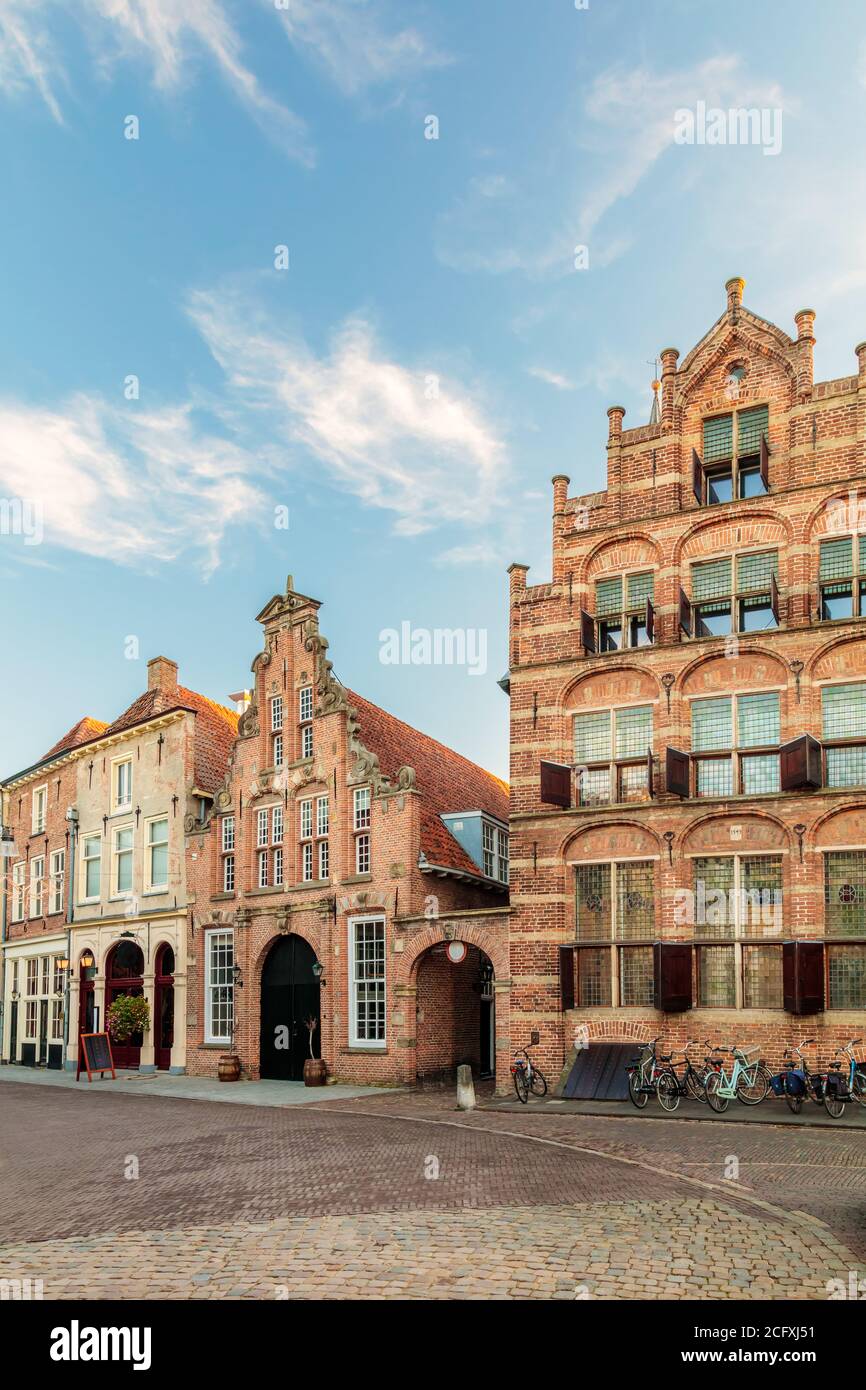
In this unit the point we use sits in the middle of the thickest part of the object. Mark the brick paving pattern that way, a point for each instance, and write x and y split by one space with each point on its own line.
332 1201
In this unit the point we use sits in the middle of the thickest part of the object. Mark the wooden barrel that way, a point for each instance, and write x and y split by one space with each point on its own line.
315 1072
229 1068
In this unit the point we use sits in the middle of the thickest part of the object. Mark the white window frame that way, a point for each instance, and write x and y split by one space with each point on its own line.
276 713
37 885
322 816
306 740
213 939
361 808
39 809
324 859
228 879
278 866
262 835
278 750
305 818
263 868
362 851
117 764
277 826
305 704
227 834
150 845
379 1044
93 837
57 870
19 890
117 831
307 861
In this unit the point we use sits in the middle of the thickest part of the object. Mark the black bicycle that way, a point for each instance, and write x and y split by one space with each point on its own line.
527 1077
689 1081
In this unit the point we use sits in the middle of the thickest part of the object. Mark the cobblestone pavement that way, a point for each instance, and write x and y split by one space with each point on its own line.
402 1196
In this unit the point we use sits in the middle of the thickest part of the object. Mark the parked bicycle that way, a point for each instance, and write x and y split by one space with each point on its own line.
856 1071
643 1072
527 1077
748 1081
799 1082
689 1081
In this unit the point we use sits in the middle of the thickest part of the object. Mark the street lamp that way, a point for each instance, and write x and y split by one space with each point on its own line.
318 972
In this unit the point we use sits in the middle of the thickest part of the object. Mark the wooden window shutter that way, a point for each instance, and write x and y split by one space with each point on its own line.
803 976
650 620
774 597
800 763
587 631
556 784
672 976
677 772
649 771
566 976
765 462
685 613
699 480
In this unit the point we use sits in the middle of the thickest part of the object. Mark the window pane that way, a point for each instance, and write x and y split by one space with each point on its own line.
843 711
758 720
715 777
754 571
718 438
760 906
635 909
610 637
713 619
634 731
716 982
592 737
713 879
639 588
711 580
847 977
712 724
760 774
608 596
756 614
751 428
593 786
636 977
593 977
751 482
837 601
846 767
592 908
633 782
837 558
845 893
762 977
720 486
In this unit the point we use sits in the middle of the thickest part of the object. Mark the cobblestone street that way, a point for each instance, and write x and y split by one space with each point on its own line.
402 1196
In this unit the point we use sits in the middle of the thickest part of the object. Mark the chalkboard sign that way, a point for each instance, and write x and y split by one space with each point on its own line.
95 1054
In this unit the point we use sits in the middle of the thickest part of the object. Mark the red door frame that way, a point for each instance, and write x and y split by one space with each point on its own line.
163 991
128 1054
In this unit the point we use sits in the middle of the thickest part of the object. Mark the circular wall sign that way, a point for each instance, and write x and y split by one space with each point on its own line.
456 951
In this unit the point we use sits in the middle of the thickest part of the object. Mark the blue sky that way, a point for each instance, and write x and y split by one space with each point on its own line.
431 356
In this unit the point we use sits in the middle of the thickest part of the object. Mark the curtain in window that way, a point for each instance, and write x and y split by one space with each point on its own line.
754 571
718 438
751 428
711 580
758 720
640 587
634 731
608 596
843 710
837 558
712 724
592 737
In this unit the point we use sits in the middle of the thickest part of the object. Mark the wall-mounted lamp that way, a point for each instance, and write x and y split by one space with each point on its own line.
318 973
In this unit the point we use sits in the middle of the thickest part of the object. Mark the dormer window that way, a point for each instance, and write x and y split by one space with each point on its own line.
735 460
494 850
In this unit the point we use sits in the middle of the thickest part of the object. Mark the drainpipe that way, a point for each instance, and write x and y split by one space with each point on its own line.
72 819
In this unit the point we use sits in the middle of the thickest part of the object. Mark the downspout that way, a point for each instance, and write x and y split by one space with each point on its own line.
72 818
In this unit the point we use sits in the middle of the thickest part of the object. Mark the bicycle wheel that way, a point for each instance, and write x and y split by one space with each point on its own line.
520 1085
695 1084
717 1102
668 1092
538 1084
858 1088
752 1086
834 1105
635 1094
795 1103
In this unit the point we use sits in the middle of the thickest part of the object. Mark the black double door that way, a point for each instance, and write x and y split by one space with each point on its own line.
290 998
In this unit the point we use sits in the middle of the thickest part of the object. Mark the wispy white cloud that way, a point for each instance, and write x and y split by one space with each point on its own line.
624 125
556 379
26 55
360 43
402 438
136 487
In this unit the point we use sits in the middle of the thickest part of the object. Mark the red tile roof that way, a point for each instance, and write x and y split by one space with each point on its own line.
82 732
448 782
215 729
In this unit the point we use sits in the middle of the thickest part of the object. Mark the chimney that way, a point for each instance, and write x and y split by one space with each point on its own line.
162 675
560 493
805 321
735 289
669 357
860 350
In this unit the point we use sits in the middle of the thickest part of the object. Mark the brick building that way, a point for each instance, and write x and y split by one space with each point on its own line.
688 696
353 875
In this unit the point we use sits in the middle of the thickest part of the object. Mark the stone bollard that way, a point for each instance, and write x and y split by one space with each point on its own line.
465 1089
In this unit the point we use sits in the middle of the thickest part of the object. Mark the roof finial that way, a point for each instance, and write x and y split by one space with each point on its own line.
655 413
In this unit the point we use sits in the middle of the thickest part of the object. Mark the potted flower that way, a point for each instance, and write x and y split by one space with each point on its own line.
128 1014
315 1073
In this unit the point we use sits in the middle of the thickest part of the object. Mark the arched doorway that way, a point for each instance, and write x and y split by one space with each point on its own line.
86 1000
290 997
163 1007
124 972
456 1019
